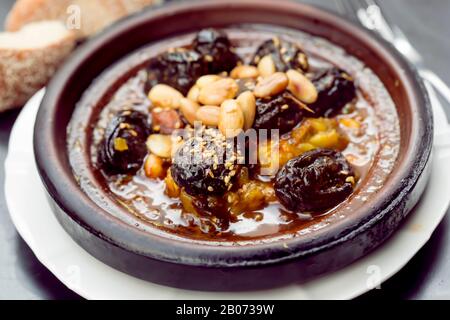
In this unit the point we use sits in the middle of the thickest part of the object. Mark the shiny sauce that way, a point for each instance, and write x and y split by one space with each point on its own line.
372 150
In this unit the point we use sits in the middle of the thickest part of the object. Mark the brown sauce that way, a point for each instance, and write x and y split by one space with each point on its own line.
372 149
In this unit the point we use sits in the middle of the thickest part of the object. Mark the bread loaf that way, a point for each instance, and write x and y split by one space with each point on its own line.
28 59
86 17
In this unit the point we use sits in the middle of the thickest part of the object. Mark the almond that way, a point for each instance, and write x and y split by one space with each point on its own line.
217 92
271 85
165 96
194 93
266 66
203 81
231 118
153 167
208 115
301 87
189 108
243 71
160 145
247 102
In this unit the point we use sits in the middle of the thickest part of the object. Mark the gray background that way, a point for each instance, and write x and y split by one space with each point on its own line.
427 276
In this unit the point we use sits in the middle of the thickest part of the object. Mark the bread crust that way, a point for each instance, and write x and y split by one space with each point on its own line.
24 71
95 14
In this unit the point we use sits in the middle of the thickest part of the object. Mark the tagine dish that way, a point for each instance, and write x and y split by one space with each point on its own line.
237 134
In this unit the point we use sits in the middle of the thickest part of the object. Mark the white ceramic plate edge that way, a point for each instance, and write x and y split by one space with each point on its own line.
92 279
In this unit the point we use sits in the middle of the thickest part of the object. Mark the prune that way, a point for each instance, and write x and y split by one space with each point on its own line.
335 88
281 112
179 69
213 206
216 50
123 149
317 180
205 164
286 55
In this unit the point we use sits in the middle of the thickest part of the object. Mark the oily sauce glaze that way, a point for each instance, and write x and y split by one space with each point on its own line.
368 138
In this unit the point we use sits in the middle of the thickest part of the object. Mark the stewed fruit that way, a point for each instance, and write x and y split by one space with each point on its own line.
123 149
316 180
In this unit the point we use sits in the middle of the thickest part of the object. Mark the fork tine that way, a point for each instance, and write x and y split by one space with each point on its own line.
360 10
354 5
373 2
394 34
346 8
369 3
376 14
369 14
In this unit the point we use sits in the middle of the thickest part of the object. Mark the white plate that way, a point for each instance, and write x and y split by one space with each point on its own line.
93 279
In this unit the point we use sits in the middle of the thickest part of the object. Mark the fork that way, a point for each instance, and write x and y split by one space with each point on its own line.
371 16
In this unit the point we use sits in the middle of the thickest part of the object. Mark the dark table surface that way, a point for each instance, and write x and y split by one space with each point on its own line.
426 276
